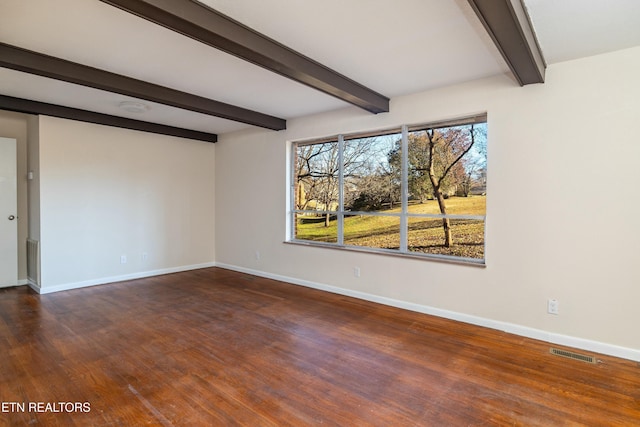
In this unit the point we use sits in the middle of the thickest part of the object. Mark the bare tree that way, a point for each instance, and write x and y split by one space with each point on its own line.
318 167
306 175
451 145
437 154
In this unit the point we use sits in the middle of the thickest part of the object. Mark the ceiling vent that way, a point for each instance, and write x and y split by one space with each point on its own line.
134 106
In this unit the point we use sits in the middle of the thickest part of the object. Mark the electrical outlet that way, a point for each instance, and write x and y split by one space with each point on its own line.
257 255
123 259
144 256
356 271
552 306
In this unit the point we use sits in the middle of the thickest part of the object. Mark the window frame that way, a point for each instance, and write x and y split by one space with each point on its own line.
404 215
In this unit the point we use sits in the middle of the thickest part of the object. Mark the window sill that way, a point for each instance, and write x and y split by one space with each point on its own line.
393 253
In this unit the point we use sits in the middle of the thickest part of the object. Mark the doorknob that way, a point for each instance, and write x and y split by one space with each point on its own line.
11 217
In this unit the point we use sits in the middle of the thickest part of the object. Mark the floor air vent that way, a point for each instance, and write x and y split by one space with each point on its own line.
572 355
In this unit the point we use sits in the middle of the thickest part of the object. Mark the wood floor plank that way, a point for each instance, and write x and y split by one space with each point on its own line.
217 347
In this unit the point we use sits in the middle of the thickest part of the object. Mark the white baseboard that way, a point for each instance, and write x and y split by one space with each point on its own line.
565 340
113 279
19 282
34 286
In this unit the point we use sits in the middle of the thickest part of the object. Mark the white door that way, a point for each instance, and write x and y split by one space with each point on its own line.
8 213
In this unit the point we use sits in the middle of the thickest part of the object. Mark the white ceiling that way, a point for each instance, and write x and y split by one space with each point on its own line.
393 48
571 29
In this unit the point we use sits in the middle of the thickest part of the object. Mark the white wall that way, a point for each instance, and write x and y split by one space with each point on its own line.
14 125
562 207
33 166
107 192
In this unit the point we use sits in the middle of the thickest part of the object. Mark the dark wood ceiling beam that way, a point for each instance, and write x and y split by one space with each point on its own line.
34 107
210 27
507 23
28 61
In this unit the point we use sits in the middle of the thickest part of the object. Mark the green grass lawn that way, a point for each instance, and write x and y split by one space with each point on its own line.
424 235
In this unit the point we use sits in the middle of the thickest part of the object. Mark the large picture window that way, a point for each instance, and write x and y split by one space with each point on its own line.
415 190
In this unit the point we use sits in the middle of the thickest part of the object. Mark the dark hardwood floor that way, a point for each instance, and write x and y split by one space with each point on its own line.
214 347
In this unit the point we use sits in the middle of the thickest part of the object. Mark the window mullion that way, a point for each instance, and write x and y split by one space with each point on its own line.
340 190
404 191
